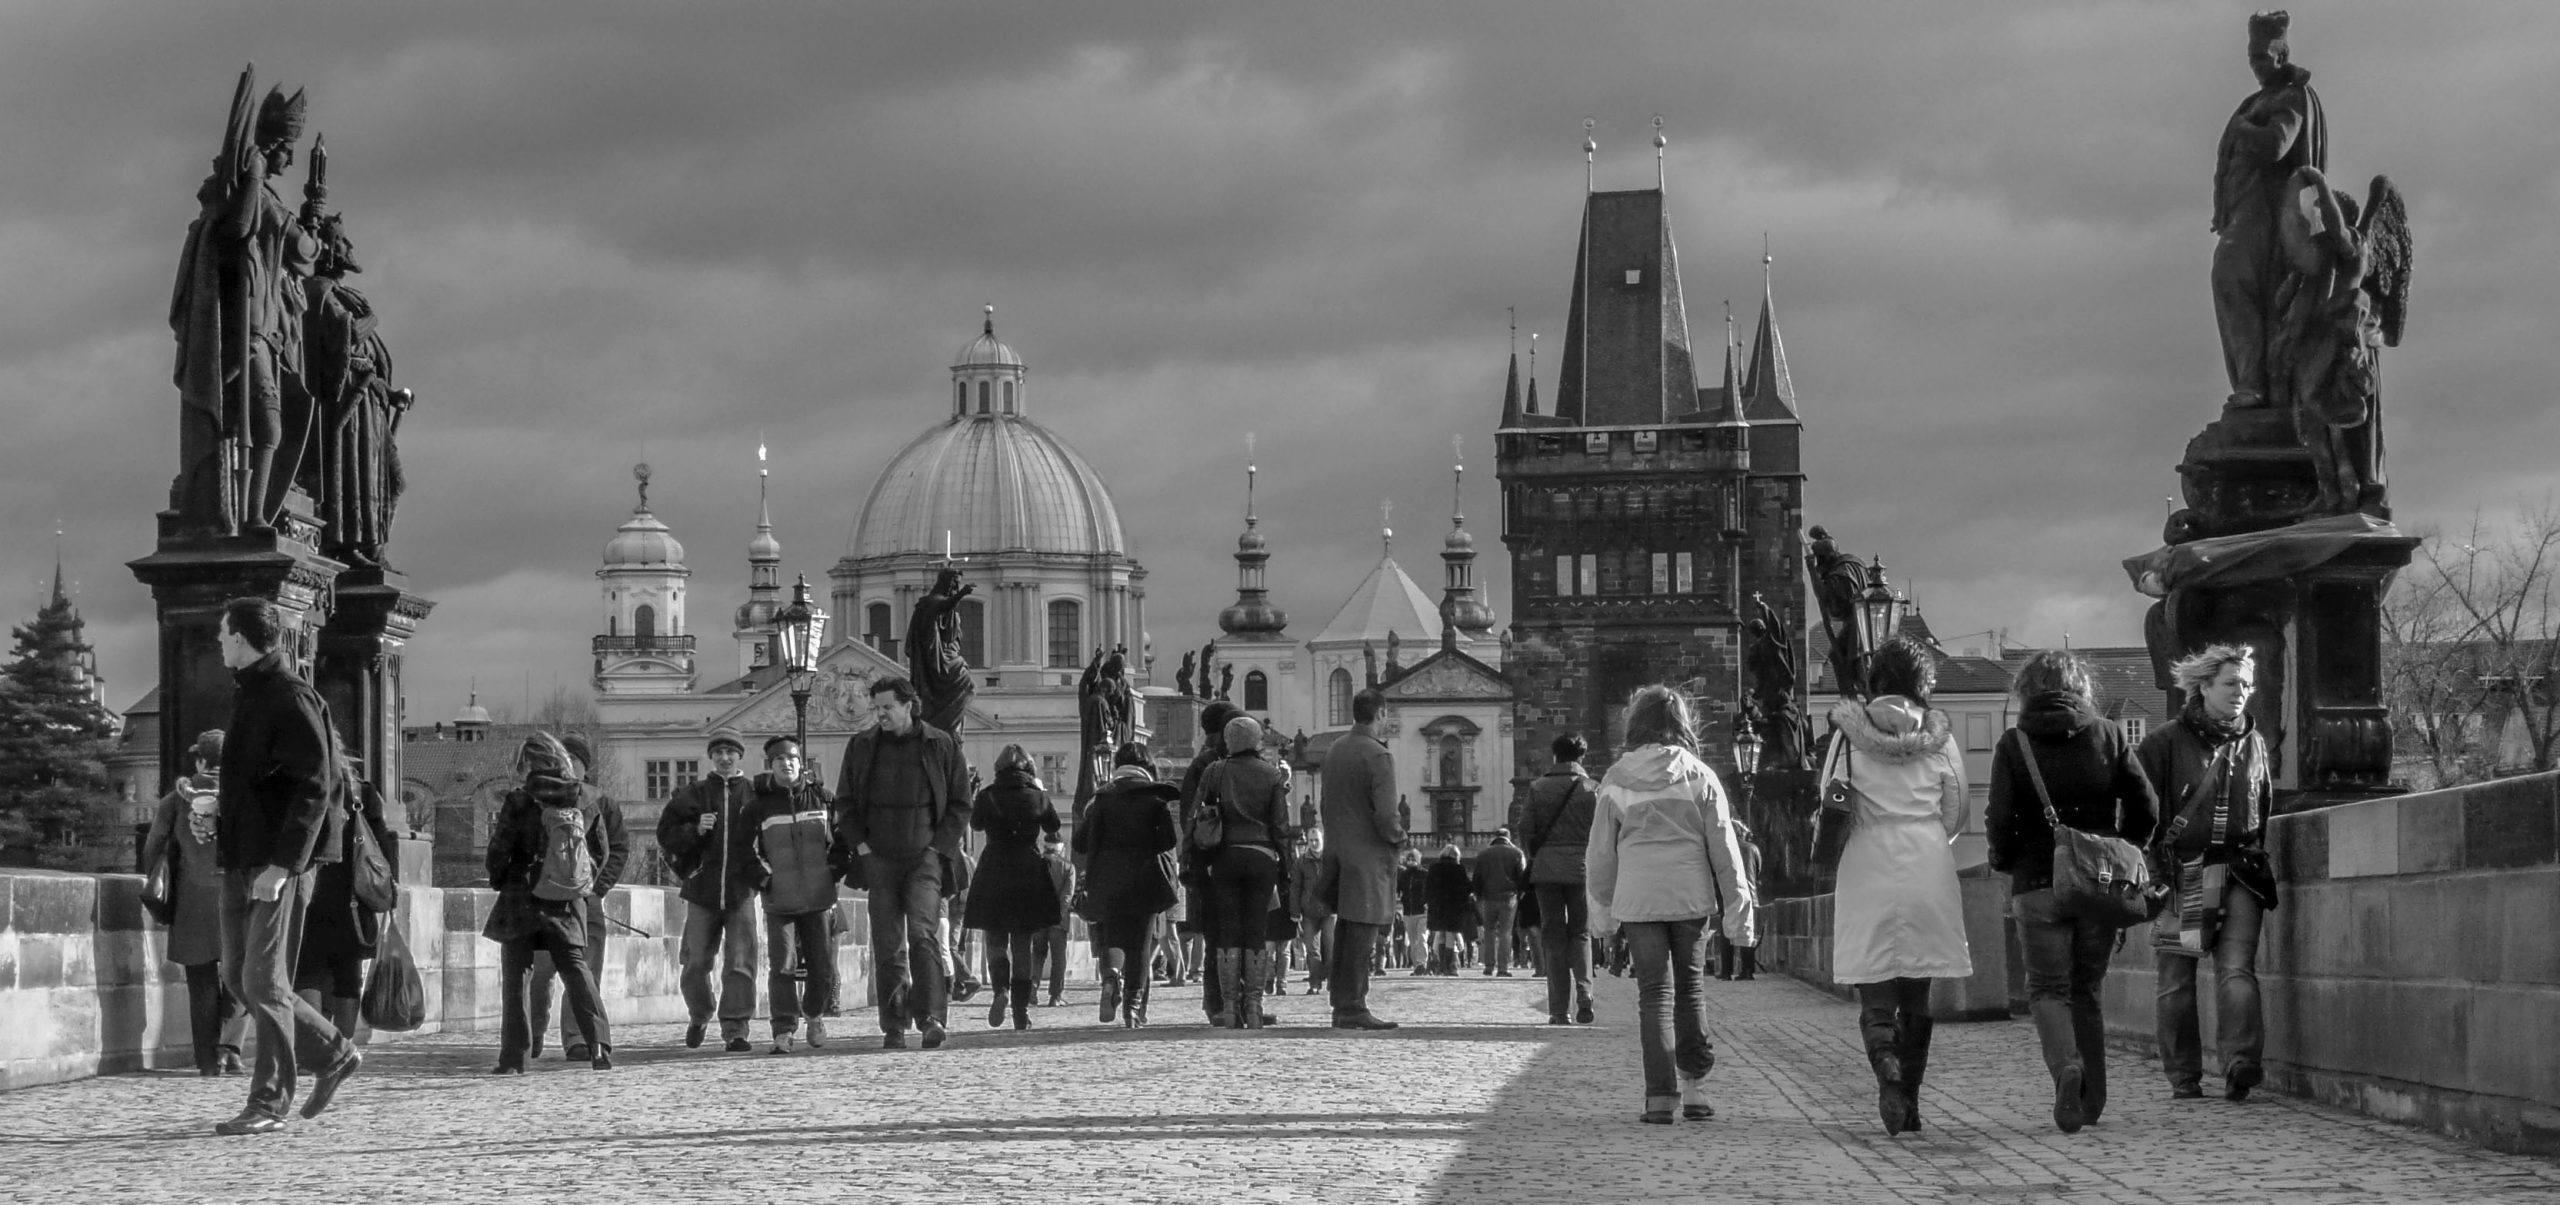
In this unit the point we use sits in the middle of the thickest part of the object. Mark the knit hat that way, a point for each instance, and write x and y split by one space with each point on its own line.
1243 735
726 735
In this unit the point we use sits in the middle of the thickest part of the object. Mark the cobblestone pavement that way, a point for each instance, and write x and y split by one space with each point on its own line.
1473 1100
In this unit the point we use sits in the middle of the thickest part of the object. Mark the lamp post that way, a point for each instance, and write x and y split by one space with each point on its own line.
1878 617
1746 762
802 629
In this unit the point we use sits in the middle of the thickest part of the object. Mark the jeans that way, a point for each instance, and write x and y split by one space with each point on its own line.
1315 944
2240 1030
1670 959
1564 930
215 1019
515 972
1497 914
1417 942
1348 977
730 938
806 936
906 897
260 939
2066 961
1050 952
538 988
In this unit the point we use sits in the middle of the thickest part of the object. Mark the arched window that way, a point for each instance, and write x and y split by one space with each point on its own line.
1257 692
644 621
1338 699
1066 629
960 397
1008 397
973 633
982 397
876 629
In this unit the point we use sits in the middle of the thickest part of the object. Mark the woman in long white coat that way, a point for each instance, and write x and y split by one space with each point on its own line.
1897 918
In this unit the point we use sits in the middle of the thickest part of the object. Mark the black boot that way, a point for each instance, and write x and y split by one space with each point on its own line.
1884 1054
1916 1030
1022 1003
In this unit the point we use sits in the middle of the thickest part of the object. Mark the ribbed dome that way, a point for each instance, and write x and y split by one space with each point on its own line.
764 547
643 542
995 482
987 351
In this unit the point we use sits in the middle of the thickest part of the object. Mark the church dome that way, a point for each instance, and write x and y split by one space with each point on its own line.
996 483
987 351
642 542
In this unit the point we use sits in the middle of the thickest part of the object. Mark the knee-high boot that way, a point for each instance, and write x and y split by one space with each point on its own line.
1022 1002
1916 1029
1230 971
1253 973
1111 966
1883 1034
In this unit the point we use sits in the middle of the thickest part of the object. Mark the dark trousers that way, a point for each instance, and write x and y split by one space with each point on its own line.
215 1020
1049 950
2066 961
1012 956
2240 1028
260 941
1564 934
803 942
906 898
1729 955
1670 958
1126 942
1893 1017
1244 880
538 989
515 971
1497 912
1348 980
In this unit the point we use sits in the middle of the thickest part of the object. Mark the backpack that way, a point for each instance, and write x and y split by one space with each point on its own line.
1208 817
568 869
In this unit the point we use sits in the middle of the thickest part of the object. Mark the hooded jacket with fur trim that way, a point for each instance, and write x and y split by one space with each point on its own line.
1664 846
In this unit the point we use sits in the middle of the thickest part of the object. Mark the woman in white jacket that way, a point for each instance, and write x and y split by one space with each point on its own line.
1664 861
1897 917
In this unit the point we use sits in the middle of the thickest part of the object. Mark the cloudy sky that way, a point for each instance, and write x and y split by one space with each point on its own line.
608 233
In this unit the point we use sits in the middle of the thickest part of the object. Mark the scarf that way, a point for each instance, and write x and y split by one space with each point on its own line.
2213 731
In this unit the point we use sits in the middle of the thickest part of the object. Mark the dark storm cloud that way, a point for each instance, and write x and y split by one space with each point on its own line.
604 233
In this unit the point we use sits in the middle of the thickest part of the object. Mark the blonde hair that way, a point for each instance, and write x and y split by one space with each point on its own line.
2198 670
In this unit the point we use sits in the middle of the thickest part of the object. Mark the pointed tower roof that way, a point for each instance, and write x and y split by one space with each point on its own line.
1511 395
1461 611
1626 340
1386 601
1252 615
1770 391
1729 408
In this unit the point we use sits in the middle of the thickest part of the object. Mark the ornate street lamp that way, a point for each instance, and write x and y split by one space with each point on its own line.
1878 614
802 629
1746 760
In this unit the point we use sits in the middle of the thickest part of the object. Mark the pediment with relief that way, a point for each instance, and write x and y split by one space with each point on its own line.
1448 676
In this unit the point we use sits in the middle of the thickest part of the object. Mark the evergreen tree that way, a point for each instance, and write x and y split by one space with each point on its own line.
54 740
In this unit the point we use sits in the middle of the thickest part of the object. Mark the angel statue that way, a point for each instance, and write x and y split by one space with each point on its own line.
2344 297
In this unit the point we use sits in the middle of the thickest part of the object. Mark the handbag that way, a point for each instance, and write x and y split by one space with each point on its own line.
2095 876
395 999
160 889
369 871
1838 815
1208 829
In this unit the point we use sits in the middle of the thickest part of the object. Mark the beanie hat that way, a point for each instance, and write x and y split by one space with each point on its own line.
1243 735
726 735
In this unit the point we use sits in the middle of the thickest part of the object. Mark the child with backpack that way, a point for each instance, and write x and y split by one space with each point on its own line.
543 862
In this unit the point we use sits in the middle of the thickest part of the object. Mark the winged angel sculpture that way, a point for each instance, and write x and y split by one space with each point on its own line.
2344 297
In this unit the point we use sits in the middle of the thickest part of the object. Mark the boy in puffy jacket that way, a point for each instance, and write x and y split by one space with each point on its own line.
794 838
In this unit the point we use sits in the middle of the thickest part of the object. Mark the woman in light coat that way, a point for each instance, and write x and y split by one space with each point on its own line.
1897 917
1664 860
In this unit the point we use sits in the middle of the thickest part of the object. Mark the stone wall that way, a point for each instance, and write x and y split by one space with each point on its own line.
2412 971
85 989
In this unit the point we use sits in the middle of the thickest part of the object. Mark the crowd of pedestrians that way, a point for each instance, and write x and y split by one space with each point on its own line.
260 871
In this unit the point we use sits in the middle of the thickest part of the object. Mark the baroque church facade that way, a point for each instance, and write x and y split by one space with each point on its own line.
1648 508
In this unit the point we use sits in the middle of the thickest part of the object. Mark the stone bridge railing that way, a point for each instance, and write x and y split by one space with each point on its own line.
85 989
2412 972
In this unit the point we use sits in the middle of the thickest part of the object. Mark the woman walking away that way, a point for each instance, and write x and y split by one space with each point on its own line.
1250 798
1010 896
1897 917
1555 831
1665 861
339 932
543 858
178 855
2210 766
2063 761
1450 901
1124 839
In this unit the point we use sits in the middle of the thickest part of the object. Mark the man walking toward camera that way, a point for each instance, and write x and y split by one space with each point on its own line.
707 840
274 827
902 804
795 860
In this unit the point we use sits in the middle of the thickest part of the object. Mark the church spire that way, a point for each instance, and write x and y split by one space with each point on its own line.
1511 385
1533 373
1252 613
1731 412
1460 609
1770 391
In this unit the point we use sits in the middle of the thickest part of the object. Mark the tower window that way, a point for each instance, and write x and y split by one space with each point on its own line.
973 629
876 629
1662 573
1337 699
1564 577
982 397
1066 632
960 397
1646 441
644 621
1635 276
1684 574
1257 692
1590 573
1596 443
1008 397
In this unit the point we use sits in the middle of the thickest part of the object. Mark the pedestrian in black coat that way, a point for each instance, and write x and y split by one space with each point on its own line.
338 932
1449 906
1010 897
1126 842
527 917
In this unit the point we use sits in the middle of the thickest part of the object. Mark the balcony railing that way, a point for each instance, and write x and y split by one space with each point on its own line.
644 644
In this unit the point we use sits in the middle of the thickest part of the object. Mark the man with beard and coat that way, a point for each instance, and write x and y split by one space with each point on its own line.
706 839
902 803
1361 837
274 827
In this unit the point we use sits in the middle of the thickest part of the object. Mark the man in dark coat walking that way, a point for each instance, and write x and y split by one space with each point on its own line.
276 825
902 803
704 835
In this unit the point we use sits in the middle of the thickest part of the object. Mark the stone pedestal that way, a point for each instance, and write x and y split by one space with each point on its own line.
358 672
191 575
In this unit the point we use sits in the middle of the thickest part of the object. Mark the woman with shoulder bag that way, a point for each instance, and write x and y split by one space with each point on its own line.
1556 823
1897 918
2210 766
1126 841
2065 759
1246 800
339 931
179 853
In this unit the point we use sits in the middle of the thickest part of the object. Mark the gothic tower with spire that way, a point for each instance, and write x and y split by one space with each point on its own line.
1646 509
